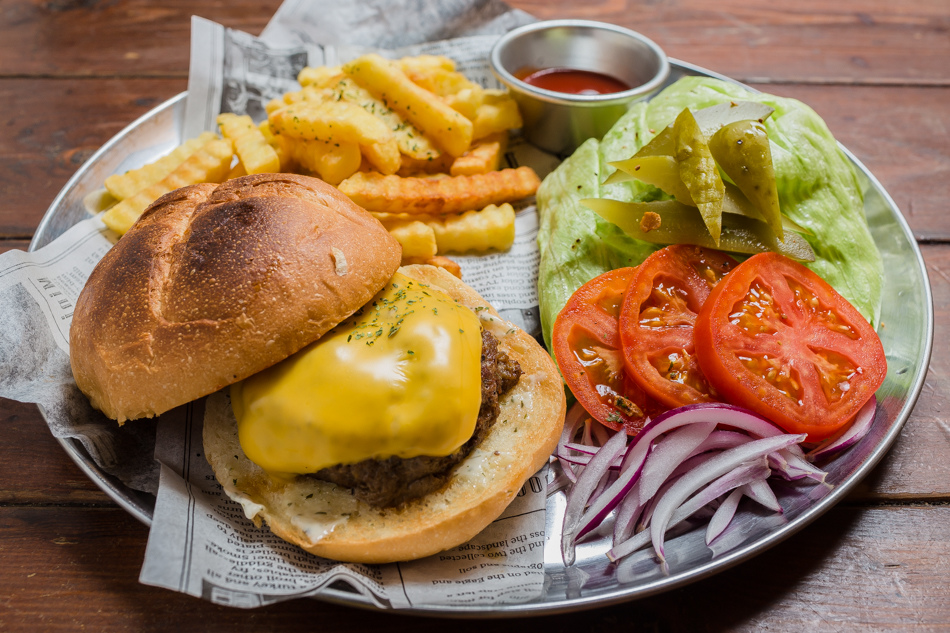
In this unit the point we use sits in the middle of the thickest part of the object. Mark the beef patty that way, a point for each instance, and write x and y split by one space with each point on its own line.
393 481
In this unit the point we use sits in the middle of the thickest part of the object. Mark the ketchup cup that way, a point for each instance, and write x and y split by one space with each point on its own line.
559 120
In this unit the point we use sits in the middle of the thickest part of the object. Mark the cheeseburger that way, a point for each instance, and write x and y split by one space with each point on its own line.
366 412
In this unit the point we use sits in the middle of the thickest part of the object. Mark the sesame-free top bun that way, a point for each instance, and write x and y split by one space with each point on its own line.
217 282
329 521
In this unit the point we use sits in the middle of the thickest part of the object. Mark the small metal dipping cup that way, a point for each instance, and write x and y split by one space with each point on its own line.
559 122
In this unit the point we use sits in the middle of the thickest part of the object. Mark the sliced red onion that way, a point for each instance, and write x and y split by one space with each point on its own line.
720 440
738 476
576 416
723 516
628 512
761 493
668 453
851 435
798 467
664 423
725 414
715 467
587 482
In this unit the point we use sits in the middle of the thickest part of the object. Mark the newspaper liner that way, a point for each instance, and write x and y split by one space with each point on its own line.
200 543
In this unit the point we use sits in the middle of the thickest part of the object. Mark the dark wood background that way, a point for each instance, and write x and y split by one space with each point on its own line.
73 73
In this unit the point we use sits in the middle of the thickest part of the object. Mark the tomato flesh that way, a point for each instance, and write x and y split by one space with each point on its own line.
657 318
776 338
587 348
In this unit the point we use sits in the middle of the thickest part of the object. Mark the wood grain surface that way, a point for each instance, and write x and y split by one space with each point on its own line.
75 72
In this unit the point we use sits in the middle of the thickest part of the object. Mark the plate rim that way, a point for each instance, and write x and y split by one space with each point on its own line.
141 505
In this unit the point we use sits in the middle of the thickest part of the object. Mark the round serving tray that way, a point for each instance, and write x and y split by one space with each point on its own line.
906 333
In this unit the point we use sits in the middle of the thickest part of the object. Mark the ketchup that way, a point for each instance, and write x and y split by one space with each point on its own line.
572 81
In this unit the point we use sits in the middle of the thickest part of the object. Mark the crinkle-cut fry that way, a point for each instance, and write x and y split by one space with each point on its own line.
319 76
438 260
385 157
415 167
281 143
330 121
451 194
497 112
332 162
485 156
122 186
209 164
252 148
417 238
450 130
492 228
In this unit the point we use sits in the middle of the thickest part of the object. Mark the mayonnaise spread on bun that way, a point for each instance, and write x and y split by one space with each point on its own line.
401 377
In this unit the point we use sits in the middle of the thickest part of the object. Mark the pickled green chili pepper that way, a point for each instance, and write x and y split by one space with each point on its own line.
659 171
742 151
697 169
682 224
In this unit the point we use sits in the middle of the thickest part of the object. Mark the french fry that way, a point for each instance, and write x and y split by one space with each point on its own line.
333 162
385 157
237 171
330 121
417 238
319 76
438 260
209 164
386 81
122 186
416 167
281 143
257 156
492 228
411 141
457 91
498 112
425 64
450 194
485 156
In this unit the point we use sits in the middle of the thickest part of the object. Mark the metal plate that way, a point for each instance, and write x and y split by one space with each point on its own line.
907 335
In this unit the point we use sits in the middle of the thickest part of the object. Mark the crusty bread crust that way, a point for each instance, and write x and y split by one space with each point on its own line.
328 521
217 282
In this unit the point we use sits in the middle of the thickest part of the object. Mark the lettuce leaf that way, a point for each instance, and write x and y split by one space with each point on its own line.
817 185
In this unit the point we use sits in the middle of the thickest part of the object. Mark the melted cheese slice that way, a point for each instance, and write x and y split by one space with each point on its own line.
400 377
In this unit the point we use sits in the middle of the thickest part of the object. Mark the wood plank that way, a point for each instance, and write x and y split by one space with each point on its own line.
35 468
55 126
47 148
132 38
854 41
854 570
812 41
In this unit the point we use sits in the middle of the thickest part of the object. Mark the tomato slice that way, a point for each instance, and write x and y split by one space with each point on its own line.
774 337
657 317
587 348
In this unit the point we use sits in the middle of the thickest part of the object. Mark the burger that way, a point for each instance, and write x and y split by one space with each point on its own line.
366 412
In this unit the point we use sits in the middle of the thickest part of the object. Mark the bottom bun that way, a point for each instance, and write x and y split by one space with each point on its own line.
329 521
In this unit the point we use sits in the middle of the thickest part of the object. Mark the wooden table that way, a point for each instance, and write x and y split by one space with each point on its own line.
72 74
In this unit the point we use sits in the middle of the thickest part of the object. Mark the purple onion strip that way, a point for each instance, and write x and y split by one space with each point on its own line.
723 515
761 493
851 435
587 482
715 467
